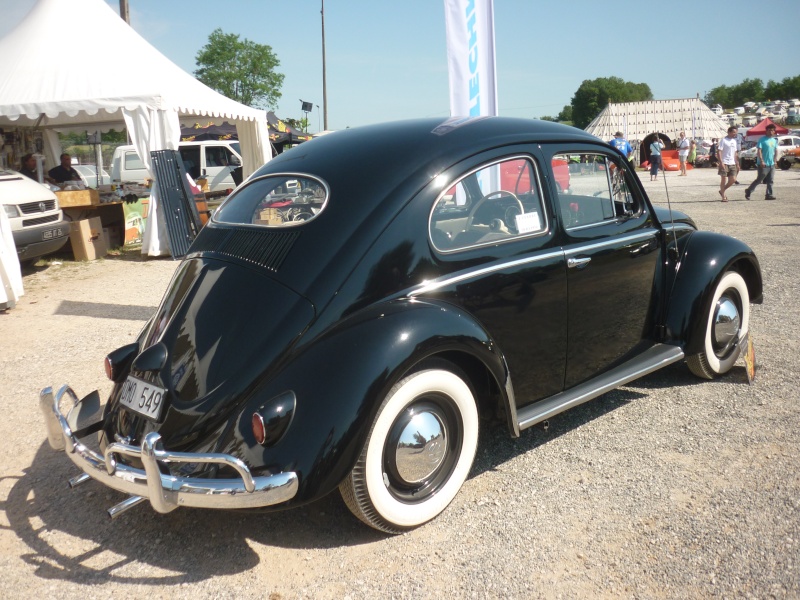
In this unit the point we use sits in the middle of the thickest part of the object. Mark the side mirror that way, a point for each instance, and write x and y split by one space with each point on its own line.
235 160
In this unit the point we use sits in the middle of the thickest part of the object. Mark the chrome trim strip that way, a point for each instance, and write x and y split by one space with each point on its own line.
614 241
165 492
435 284
654 358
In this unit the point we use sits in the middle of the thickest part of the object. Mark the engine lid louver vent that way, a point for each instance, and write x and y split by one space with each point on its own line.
265 248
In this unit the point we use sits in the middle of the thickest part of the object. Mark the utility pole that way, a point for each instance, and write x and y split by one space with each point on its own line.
123 11
324 84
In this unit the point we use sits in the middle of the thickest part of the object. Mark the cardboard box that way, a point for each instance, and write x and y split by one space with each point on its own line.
86 237
78 198
269 216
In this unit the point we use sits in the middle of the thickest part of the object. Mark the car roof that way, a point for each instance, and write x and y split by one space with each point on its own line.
373 172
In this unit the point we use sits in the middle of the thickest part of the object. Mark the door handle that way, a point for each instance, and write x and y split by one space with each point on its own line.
578 262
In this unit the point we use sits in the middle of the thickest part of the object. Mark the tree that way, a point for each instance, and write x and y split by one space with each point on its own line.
240 69
548 118
593 95
566 114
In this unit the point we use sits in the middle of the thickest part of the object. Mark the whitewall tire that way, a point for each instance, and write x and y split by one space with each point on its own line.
418 453
727 322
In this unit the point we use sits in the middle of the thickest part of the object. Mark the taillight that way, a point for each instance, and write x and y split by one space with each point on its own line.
118 362
259 431
271 421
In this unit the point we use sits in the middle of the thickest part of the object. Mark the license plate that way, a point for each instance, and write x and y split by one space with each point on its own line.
143 398
51 234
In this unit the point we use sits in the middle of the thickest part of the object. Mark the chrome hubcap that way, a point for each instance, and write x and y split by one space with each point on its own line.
727 323
421 445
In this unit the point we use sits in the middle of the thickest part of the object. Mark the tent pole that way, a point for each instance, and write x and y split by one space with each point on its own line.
324 84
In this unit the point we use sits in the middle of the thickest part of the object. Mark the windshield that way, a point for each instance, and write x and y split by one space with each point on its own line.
274 201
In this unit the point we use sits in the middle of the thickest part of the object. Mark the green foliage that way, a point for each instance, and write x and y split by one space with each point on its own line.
548 118
593 95
240 69
565 114
753 90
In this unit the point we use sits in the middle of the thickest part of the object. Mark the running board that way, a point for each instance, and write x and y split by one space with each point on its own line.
652 359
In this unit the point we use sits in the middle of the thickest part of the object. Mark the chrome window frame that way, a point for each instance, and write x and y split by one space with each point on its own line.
285 225
542 209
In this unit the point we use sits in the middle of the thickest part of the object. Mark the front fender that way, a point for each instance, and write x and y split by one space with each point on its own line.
340 378
705 258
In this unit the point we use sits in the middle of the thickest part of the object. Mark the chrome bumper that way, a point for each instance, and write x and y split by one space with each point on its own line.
165 492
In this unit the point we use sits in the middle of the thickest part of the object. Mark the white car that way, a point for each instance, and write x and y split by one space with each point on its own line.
88 175
747 158
37 222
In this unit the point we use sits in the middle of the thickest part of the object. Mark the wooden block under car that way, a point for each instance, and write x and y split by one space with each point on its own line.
86 237
78 198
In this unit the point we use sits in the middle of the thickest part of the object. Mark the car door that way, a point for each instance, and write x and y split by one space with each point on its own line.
220 162
495 250
611 244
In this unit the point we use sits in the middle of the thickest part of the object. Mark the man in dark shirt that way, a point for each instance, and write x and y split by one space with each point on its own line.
29 167
64 171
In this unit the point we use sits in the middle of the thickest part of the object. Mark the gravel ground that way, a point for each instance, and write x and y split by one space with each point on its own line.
667 488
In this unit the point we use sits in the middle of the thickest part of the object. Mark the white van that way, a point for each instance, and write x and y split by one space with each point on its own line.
216 160
37 223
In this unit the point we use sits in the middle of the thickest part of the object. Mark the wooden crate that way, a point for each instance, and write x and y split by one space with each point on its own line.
78 198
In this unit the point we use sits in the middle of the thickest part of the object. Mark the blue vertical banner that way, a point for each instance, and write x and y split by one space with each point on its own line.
471 57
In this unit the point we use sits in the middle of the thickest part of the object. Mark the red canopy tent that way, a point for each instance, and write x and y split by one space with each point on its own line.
761 129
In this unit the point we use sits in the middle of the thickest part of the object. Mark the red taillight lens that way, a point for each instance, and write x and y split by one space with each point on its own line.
109 368
259 431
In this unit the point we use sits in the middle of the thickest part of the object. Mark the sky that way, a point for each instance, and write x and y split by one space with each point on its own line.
387 60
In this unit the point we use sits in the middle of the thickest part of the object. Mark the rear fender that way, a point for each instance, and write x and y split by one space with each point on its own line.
341 377
705 258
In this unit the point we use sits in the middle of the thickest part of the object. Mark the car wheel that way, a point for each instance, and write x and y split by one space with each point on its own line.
727 321
784 164
418 453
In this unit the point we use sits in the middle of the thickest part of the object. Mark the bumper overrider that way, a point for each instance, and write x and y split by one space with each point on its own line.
165 492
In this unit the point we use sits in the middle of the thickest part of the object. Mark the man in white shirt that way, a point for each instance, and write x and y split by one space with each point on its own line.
683 152
728 156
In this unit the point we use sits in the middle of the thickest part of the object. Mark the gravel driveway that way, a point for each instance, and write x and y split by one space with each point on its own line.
667 488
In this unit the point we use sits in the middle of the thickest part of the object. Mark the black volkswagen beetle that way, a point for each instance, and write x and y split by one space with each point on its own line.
355 308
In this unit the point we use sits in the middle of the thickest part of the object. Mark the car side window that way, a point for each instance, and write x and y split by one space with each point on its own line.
495 203
598 191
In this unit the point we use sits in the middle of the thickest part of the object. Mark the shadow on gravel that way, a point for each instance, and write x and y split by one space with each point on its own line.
72 538
497 447
103 310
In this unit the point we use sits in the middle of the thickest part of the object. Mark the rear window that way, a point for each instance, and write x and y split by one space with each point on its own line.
133 162
275 201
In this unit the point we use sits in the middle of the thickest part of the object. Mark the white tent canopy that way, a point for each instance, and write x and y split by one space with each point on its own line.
637 120
136 87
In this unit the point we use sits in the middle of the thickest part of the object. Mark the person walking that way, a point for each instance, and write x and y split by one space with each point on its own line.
655 157
692 152
766 158
620 143
683 152
728 157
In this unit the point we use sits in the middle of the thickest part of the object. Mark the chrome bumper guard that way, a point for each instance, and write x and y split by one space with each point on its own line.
165 492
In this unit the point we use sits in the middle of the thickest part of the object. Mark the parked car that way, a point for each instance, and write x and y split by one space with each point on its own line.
371 341
88 175
747 158
219 161
789 158
37 222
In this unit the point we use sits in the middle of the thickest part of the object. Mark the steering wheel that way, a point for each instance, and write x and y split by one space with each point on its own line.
479 203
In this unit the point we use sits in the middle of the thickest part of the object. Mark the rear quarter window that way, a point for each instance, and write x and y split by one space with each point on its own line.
275 201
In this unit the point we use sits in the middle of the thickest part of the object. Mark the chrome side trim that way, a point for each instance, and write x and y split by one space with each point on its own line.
654 358
165 492
613 241
432 286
